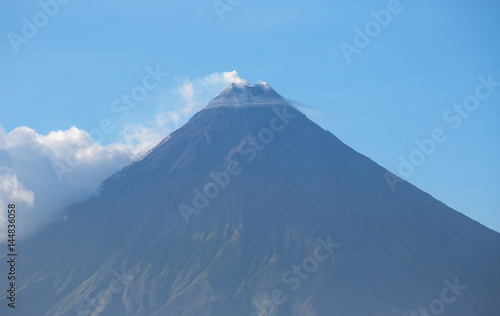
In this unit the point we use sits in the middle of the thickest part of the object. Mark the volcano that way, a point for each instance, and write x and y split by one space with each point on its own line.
252 209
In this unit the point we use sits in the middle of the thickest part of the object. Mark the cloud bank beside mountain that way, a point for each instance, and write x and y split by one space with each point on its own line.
43 174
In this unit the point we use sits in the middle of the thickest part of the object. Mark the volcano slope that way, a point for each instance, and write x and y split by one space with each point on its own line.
250 208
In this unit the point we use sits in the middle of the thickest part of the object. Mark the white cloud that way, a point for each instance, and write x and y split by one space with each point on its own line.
140 138
43 174
187 93
225 78
198 92
12 190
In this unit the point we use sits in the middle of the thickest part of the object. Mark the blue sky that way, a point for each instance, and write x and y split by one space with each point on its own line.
391 92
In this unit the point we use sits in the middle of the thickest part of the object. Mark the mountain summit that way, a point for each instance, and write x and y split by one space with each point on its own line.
252 209
238 95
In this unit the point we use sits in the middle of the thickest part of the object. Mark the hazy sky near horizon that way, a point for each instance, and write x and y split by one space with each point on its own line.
383 76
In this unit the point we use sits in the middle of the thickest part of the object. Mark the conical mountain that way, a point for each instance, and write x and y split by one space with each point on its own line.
252 209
